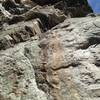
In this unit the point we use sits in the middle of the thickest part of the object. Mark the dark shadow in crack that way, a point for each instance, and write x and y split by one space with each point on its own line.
90 41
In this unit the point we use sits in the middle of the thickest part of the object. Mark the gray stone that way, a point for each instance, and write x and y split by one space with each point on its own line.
17 76
41 61
61 64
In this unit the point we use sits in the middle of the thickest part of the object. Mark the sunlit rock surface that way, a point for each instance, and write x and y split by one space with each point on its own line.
47 55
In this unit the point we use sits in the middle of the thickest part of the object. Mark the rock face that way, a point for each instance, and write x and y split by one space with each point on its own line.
74 8
61 64
45 55
17 76
73 59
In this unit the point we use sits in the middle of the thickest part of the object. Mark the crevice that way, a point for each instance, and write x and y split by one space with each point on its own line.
20 34
67 66
90 41
40 75
96 25
97 63
14 7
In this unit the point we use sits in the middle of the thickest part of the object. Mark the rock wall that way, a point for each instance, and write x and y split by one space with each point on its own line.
47 55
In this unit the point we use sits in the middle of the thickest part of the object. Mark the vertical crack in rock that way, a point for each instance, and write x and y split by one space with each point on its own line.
40 71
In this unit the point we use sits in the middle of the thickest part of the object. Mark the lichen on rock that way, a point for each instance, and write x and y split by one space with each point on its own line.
49 50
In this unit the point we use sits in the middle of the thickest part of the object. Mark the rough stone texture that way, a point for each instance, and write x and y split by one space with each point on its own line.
61 64
73 59
17 76
21 32
74 8
47 55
